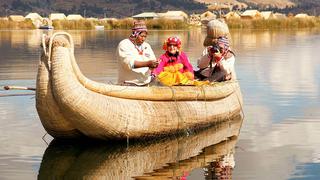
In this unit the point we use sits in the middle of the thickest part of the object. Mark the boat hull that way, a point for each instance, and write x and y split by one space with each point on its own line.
70 105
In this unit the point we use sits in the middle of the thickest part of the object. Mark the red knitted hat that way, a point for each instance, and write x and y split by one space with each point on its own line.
171 40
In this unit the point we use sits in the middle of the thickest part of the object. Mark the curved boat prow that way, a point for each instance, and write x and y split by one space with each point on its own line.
49 112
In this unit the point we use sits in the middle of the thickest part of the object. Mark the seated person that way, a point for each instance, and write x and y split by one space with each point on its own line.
135 57
174 67
217 61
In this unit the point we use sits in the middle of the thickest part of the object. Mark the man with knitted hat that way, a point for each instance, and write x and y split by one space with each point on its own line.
217 60
135 57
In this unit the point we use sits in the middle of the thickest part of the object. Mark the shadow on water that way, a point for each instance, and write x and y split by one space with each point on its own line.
174 157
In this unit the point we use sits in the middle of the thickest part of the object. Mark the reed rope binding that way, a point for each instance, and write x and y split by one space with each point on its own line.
49 52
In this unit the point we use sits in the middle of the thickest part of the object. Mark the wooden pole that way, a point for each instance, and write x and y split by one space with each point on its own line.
18 88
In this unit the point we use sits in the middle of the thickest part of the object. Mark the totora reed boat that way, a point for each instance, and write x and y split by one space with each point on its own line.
71 105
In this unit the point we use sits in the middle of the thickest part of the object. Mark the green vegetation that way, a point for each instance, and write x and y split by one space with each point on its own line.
287 23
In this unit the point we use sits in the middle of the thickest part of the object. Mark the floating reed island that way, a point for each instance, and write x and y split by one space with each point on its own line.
71 105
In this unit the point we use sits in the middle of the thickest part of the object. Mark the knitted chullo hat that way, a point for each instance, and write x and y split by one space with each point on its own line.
216 28
138 27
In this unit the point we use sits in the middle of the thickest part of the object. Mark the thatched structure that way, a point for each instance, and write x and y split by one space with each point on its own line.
75 17
208 15
302 16
57 16
34 16
279 16
16 18
69 104
174 15
267 14
251 14
146 15
232 15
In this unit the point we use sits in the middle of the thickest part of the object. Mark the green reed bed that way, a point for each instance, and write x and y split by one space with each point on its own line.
287 23
6 24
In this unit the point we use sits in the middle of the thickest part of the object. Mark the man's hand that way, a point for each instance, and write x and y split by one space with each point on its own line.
227 77
153 63
150 64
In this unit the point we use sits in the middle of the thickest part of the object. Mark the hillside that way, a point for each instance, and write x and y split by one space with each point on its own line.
125 8
253 3
310 7
305 6
280 4
97 8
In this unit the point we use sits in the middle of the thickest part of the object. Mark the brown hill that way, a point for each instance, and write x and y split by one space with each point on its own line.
280 4
311 7
97 8
245 3
125 8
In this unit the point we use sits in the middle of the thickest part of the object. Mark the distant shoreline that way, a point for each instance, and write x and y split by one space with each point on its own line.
166 24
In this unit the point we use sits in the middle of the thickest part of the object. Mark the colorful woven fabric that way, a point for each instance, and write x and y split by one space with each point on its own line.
223 41
138 27
168 59
172 76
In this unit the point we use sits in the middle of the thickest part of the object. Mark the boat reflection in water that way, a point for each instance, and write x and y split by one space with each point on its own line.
171 157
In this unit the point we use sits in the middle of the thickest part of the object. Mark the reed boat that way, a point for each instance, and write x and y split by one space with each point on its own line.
168 158
71 105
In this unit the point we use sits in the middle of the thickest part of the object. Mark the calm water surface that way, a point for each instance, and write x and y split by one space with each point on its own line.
279 74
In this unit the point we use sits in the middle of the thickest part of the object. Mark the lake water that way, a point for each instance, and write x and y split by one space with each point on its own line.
279 75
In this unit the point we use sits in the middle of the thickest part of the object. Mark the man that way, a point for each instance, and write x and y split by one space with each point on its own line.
135 57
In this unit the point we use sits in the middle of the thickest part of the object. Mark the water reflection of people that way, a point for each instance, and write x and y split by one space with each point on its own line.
221 168
135 57
217 60
172 157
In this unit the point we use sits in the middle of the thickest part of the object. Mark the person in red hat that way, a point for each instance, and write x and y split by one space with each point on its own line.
175 58
135 57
